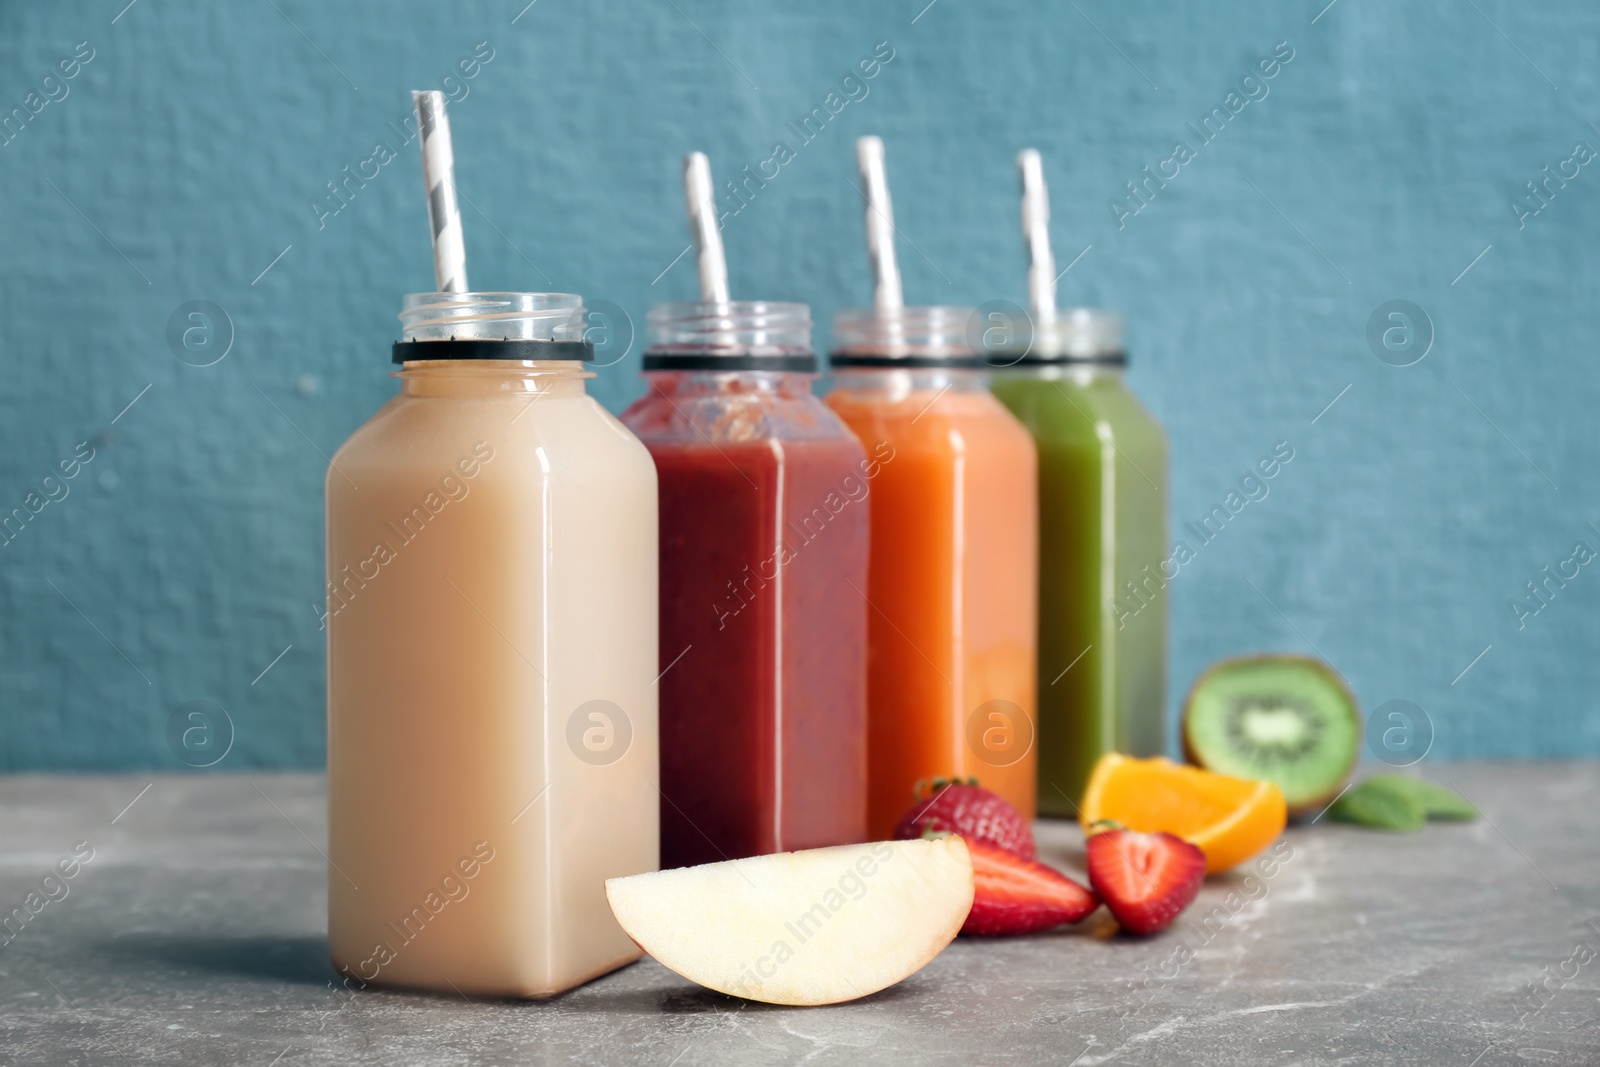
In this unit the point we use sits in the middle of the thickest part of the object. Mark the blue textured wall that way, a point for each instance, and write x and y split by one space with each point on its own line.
188 154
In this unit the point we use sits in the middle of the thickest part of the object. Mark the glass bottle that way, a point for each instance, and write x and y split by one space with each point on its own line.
953 576
491 547
1103 537
763 566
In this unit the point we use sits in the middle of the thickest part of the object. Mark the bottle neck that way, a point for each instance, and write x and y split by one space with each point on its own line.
699 383
1083 373
898 381
492 378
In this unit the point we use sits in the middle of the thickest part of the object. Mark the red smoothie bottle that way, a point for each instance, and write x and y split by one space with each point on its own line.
764 518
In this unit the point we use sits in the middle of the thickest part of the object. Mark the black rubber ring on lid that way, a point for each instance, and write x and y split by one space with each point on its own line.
871 360
480 348
806 364
1118 358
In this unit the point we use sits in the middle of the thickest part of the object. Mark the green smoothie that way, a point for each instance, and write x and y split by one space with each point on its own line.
1102 553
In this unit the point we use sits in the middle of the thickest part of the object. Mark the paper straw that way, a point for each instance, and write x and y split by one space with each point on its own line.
1036 232
439 178
703 226
886 292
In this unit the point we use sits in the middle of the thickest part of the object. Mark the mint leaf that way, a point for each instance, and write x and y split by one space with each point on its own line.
1378 804
1437 802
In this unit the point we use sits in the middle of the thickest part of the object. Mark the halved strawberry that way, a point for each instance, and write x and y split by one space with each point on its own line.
1017 896
1145 879
975 813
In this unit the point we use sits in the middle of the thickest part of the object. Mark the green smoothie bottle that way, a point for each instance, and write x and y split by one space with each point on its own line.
1103 559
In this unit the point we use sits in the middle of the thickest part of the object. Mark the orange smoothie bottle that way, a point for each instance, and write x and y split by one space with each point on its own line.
953 567
952 579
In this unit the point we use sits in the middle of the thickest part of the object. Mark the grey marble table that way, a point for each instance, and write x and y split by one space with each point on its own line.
195 934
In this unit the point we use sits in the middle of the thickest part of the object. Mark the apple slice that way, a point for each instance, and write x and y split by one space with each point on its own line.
813 927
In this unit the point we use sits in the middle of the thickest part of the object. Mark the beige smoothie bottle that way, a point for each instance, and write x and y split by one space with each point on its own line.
491 618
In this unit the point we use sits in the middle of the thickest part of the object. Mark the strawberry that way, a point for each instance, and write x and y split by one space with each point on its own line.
958 807
1145 879
1013 895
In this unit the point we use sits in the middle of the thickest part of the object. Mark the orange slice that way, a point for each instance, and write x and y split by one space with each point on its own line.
1229 819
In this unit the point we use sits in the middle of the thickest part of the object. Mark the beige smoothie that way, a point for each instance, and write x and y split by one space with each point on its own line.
492 743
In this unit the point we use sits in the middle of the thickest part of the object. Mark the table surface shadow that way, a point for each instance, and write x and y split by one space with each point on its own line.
197 934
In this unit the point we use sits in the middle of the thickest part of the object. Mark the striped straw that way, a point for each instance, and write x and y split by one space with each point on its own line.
439 178
1036 232
886 293
703 225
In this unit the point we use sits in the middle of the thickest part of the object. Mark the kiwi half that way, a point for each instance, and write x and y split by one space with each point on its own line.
1281 718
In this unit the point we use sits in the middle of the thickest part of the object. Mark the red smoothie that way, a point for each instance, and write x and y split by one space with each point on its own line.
764 517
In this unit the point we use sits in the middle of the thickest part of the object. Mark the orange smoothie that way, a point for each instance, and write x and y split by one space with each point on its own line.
952 585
